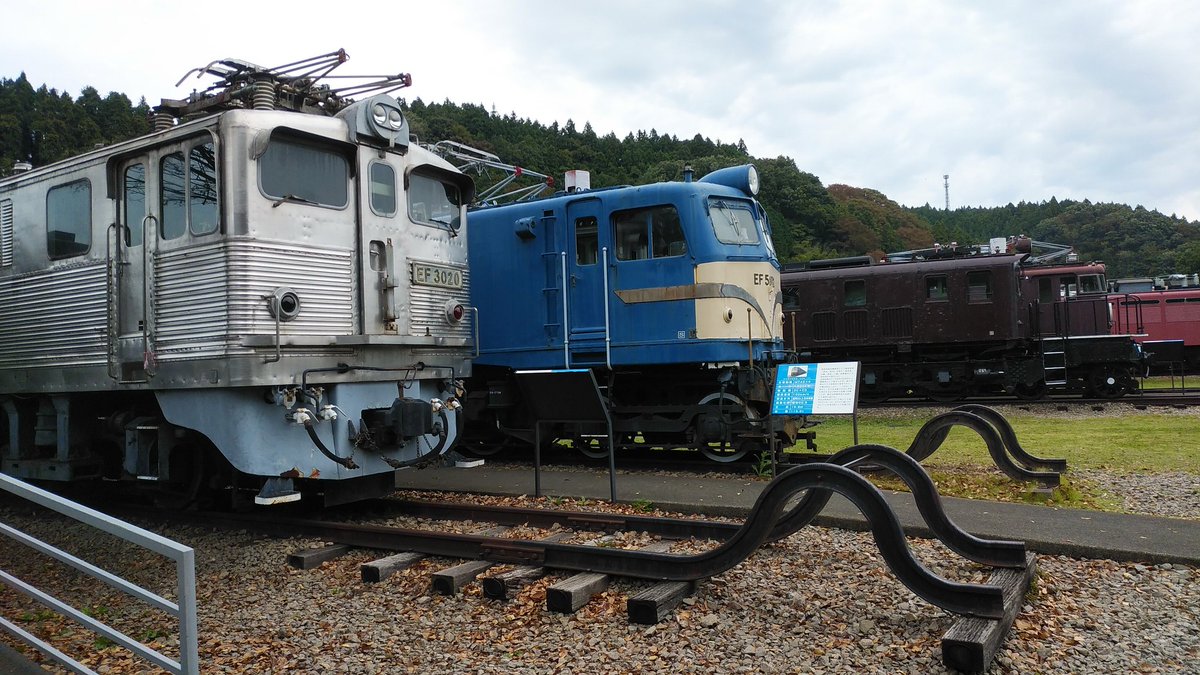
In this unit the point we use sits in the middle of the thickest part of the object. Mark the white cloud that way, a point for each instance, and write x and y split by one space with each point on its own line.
1016 101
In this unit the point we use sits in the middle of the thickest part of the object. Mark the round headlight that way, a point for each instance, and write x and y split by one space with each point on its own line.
283 303
752 179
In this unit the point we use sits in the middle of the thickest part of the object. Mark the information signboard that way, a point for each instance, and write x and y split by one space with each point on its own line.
815 389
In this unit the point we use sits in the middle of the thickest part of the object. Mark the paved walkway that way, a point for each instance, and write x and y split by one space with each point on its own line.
1073 532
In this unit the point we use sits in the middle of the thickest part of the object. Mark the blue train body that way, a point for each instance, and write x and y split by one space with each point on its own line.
670 291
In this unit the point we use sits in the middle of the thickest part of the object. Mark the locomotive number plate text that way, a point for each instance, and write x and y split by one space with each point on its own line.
432 275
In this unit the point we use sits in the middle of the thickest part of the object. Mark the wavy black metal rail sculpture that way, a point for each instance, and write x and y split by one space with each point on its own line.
1010 439
929 504
999 437
967 599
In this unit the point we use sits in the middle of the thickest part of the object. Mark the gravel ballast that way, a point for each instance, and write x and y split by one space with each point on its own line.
821 601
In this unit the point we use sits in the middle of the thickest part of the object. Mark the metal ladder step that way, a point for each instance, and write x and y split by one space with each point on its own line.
1054 362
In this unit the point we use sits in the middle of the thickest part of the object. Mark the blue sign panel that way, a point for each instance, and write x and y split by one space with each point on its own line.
815 389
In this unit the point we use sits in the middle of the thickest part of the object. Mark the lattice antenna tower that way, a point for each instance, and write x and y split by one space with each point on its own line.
946 177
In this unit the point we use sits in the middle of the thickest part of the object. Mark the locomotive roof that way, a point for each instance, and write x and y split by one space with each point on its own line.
735 182
1002 260
1071 268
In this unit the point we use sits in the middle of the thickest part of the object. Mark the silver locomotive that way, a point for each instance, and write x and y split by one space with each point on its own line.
286 289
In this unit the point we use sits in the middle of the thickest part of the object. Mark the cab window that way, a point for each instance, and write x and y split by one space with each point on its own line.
733 221
69 219
1045 290
855 293
202 189
300 172
791 299
189 192
134 203
1092 283
586 241
651 232
979 286
432 201
937 288
383 189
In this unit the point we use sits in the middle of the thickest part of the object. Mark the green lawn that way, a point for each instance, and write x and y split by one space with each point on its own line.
1168 382
1141 442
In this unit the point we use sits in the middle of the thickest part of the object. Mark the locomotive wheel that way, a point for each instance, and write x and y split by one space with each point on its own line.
726 452
189 472
1108 383
731 452
1031 392
592 448
873 394
486 446
946 394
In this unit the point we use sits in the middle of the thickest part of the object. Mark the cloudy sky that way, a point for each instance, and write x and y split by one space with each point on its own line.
1096 99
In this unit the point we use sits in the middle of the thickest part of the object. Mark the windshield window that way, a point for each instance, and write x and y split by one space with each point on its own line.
1091 283
733 221
432 201
304 173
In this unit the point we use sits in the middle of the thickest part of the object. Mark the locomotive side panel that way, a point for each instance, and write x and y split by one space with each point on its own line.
912 304
948 327
53 283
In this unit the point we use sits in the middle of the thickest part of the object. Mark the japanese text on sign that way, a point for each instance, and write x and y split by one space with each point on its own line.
815 389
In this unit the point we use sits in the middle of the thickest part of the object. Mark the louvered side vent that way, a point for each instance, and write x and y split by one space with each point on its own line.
6 233
54 318
855 324
897 322
824 326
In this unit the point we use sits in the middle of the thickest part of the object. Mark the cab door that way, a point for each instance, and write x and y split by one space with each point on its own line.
380 249
131 353
586 247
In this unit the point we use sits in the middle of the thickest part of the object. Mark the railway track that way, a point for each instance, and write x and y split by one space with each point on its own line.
1144 397
585 550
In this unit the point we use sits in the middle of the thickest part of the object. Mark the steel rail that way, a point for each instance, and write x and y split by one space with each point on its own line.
959 598
592 520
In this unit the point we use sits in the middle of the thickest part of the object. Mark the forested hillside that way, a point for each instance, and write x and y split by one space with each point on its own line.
44 125
810 220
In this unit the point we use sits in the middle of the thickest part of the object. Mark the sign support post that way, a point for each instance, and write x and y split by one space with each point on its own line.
570 395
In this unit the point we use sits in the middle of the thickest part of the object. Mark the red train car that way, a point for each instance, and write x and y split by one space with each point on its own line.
1166 320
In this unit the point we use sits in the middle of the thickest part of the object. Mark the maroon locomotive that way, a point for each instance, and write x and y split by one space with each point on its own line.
951 322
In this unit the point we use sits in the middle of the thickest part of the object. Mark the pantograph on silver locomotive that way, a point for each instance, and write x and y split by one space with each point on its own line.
267 292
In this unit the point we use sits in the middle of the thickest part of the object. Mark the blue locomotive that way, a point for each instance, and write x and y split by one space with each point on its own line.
669 292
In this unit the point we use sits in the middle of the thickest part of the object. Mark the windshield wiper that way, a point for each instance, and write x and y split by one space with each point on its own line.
292 198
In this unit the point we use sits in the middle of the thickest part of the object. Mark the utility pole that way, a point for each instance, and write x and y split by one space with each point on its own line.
946 177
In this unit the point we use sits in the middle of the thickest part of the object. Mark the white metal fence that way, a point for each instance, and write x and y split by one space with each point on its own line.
185 567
